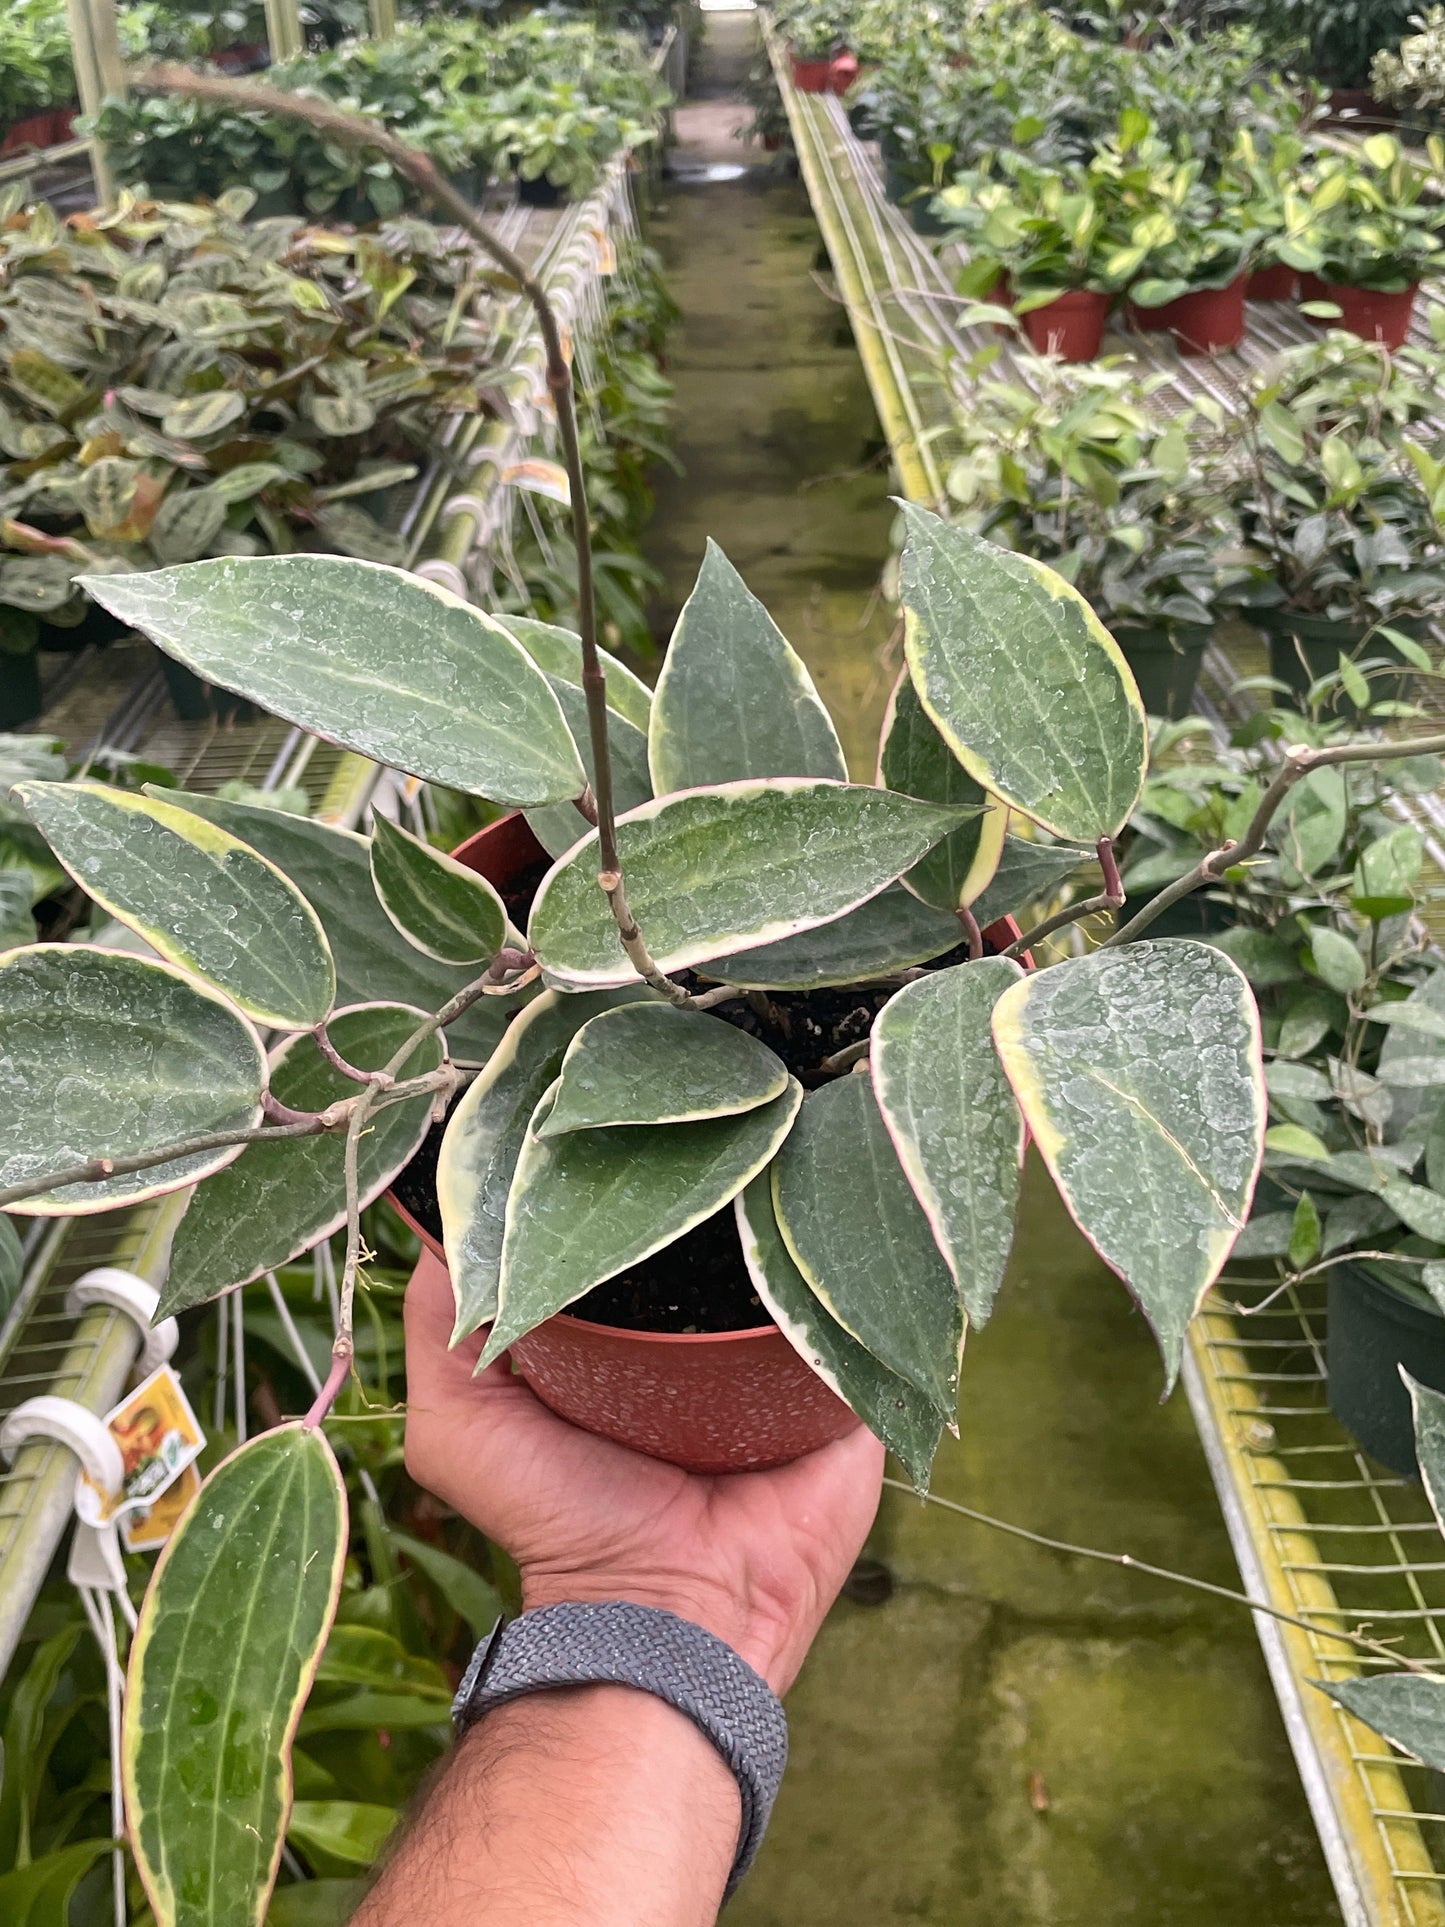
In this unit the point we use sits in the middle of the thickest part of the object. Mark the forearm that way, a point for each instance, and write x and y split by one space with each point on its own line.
589 1807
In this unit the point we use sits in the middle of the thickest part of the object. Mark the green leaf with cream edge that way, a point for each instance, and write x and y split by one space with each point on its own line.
105 1054
558 826
889 1406
1140 1075
858 1235
440 906
712 871
734 699
892 931
558 654
200 897
914 759
367 656
953 1119
375 963
651 1064
586 1205
231 1632
1026 685
279 1199
484 1138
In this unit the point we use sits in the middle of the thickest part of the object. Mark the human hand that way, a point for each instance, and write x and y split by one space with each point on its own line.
756 1557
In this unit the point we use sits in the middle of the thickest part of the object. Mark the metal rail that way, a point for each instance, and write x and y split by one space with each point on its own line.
1318 1532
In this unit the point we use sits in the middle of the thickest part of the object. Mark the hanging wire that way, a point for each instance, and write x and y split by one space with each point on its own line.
102 1624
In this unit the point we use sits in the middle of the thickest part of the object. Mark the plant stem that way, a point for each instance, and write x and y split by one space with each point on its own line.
971 931
1163 1572
351 131
1298 764
326 1397
307 1124
337 1062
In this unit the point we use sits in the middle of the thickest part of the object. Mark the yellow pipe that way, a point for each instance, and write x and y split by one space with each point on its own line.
892 415
1282 1537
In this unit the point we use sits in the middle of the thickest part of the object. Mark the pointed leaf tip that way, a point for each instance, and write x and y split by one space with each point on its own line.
446 910
1024 682
734 699
1139 1073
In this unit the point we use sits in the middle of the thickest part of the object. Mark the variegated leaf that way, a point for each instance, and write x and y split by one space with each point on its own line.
892 931
953 1118
914 759
859 1237
558 654
199 416
587 1205
446 910
367 656
734 699
484 1136
1027 687
279 1199
1027 873
374 962
103 1054
230 1634
648 1063
1139 1073
198 895
1408 1708
889 1406
557 826
713 871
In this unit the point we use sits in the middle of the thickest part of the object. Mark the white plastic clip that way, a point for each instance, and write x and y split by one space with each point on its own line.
123 1291
69 1424
95 1560
446 573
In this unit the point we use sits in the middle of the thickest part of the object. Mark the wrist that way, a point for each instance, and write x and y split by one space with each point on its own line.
768 1640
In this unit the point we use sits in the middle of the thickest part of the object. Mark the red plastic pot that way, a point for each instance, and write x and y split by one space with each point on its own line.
812 76
1202 321
1271 284
1373 315
34 132
708 1401
1071 326
842 72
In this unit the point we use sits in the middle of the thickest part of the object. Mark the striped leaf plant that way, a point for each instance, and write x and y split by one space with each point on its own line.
303 1001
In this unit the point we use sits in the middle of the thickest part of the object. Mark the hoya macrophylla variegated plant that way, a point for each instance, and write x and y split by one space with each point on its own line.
621 1072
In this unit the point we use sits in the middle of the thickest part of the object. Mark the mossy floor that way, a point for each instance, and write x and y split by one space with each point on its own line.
1015 1738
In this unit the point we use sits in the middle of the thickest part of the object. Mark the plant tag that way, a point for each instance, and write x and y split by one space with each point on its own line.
158 1437
149 1526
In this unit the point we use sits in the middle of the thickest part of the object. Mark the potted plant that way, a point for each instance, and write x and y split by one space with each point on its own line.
1184 246
873 1212
1379 234
1324 922
1073 470
1339 511
140 441
1042 236
1411 79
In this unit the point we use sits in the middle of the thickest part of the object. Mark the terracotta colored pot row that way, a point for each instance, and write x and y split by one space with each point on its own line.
1208 319
710 1401
38 131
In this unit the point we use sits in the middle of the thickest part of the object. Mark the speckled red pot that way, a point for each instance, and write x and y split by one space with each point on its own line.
1272 284
708 1401
1374 315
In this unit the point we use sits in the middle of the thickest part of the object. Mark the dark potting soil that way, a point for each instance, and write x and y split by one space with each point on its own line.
699 1283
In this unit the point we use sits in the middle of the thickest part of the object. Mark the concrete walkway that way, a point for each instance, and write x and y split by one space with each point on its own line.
1014 1739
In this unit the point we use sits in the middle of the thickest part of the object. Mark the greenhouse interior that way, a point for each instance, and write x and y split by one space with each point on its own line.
532 537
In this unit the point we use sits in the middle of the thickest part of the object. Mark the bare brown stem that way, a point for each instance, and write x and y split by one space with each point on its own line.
1128 1560
971 931
338 1063
1298 764
637 951
360 135
850 1054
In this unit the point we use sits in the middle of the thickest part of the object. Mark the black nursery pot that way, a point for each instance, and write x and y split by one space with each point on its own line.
1165 662
1374 1329
196 701
540 193
20 698
1322 641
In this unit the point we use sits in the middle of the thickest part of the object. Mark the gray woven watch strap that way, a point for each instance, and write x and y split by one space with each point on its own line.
619 1643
